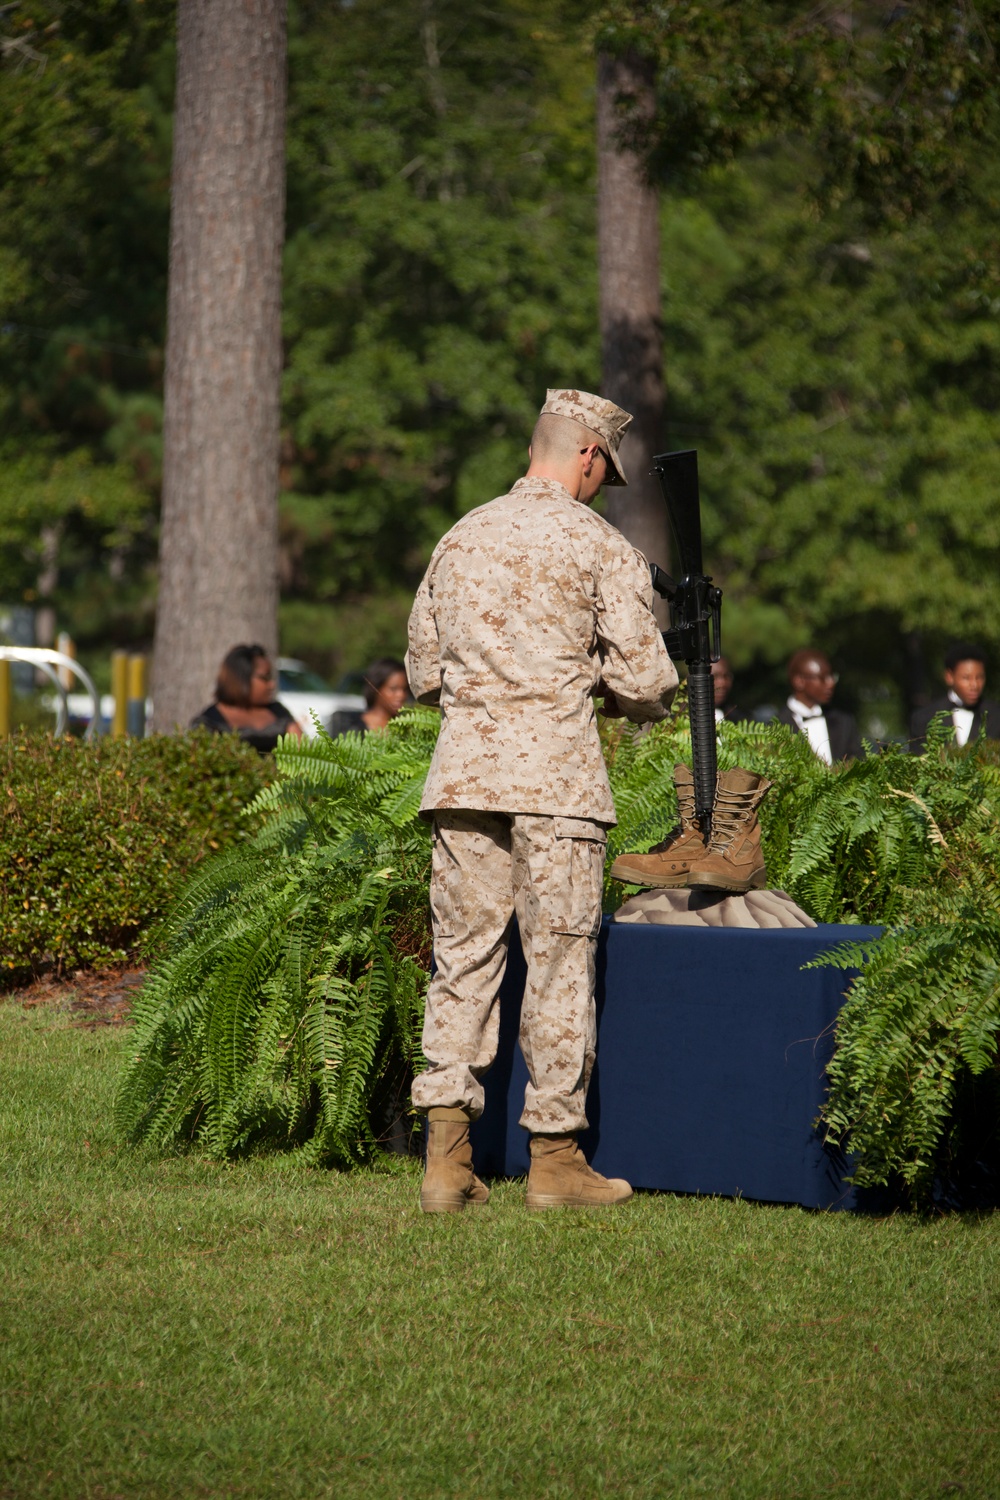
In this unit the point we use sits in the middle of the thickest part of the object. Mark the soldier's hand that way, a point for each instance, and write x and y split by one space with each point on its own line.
611 708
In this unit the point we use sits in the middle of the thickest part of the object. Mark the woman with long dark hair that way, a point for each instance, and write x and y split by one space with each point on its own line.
386 690
245 701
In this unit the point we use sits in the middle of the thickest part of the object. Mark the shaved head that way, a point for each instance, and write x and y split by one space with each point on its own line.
805 658
558 439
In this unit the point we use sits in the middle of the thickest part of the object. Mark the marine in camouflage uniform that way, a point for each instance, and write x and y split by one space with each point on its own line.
530 605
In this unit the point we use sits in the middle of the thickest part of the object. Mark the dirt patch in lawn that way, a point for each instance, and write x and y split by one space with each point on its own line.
91 999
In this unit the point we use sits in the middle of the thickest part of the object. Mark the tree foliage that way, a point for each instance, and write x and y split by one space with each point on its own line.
842 386
897 99
440 270
831 286
84 167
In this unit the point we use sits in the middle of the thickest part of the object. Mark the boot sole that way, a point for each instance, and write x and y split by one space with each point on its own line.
449 1203
699 881
541 1201
667 883
442 1205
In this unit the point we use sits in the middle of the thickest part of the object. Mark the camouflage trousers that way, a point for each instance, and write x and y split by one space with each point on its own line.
486 868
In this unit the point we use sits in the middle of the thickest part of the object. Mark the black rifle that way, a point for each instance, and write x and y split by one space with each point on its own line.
695 634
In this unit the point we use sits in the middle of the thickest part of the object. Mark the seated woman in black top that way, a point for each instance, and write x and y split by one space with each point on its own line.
386 690
245 703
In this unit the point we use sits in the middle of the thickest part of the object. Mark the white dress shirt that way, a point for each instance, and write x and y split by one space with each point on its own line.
961 717
812 723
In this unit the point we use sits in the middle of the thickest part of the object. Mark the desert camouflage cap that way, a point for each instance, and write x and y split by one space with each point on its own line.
602 417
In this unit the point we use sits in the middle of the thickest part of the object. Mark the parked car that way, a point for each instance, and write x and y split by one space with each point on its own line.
304 693
80 706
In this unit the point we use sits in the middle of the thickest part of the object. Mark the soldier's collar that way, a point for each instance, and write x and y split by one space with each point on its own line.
541 486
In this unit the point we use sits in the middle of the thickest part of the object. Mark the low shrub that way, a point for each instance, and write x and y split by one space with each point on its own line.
97 841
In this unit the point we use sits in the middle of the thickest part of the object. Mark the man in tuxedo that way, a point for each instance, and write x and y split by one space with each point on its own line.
832 733
965 700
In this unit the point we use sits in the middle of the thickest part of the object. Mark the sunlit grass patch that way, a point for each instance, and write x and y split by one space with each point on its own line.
174 1327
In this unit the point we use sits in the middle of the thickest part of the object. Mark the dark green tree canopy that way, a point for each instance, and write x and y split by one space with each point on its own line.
84 177
440 274
897 97
831 288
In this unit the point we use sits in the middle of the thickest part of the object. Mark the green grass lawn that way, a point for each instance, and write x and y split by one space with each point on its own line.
173 1328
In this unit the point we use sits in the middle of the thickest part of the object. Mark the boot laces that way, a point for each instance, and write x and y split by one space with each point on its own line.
734 812
687 819
671 838
685 802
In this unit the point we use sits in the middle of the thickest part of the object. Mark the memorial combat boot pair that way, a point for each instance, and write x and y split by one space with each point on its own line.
449 1181
731 860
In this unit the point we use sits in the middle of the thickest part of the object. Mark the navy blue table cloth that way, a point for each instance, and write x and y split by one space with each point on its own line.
712 1046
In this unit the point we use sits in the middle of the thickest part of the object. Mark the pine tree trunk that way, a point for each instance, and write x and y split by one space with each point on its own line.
218 548
631 338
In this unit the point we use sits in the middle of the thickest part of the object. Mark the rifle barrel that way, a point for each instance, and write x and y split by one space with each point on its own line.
704 761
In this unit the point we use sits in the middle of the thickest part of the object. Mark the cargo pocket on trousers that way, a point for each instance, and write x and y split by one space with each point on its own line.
580 846
442 892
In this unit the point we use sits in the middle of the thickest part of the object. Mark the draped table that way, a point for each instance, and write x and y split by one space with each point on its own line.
711 1056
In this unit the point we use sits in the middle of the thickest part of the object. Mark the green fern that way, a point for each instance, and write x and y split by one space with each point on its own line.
295 981
298 966
924 1011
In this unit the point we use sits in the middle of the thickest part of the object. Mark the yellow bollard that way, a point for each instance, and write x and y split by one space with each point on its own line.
66 644
4 698
135 715
119 689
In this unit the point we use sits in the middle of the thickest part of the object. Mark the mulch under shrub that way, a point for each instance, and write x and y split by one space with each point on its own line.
89 998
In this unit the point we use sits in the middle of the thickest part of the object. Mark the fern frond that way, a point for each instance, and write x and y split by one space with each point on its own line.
298 960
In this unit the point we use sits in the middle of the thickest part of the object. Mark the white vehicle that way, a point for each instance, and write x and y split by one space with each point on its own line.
304 693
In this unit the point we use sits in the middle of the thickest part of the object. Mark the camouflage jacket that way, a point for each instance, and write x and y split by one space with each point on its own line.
529 605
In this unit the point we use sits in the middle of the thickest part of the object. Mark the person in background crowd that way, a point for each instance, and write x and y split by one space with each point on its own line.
245 703
386 690
965 679
722 684
832 733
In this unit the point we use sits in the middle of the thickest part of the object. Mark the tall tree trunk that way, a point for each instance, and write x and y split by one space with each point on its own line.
631 339
218 548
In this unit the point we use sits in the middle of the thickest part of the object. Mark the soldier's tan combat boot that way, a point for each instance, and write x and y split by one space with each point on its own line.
449 1181
560 1177
734 860
669 863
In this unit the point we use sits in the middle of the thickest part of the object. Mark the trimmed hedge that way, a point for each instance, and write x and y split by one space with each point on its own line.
97 841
